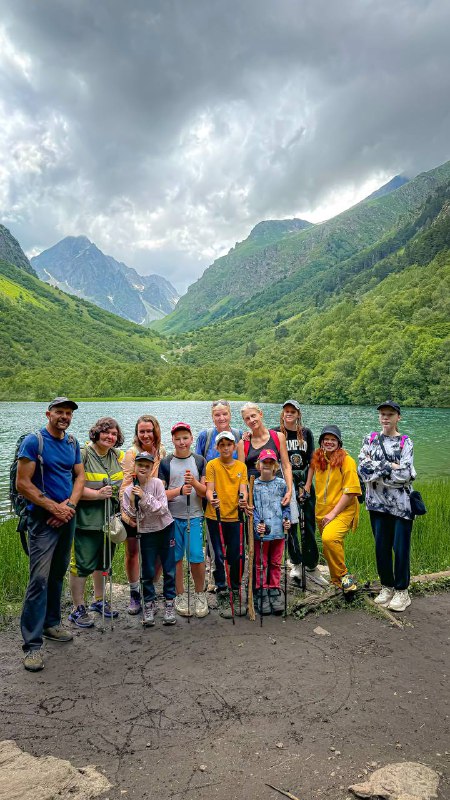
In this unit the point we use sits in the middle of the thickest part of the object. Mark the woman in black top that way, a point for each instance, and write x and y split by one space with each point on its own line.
300 447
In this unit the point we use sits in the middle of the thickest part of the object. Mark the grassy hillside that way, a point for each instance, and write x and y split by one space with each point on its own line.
232 285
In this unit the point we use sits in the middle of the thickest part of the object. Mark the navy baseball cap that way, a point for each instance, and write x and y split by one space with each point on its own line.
389 404
62 401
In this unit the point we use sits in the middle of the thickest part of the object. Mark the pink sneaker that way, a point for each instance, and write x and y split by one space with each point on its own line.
135 603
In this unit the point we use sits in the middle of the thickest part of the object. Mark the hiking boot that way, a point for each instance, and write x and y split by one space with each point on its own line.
240 609
181 605
169 617
135 603
57 633
276 600
200 605
223 604
266 607
385 596
348 583
33 660
97 605
314 577
148 616
81 618
400 601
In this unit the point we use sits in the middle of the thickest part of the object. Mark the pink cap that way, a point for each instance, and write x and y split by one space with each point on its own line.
181 426
267 454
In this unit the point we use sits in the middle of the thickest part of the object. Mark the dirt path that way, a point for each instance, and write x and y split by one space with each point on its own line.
252 705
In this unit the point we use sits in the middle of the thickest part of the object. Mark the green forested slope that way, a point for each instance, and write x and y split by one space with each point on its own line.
378 325
232 285
52 343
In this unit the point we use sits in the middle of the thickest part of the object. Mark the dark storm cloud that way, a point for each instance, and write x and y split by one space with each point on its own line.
172 127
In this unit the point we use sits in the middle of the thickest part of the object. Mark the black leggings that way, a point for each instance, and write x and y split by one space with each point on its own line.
310 556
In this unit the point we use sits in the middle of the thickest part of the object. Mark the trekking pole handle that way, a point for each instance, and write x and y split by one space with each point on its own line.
136 498
217 510
188 500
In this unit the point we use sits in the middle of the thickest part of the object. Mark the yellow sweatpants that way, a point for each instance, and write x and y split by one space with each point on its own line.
333 543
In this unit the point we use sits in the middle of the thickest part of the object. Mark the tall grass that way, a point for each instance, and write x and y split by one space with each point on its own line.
430 551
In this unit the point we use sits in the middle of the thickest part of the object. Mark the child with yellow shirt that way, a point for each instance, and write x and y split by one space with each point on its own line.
226 490
337 508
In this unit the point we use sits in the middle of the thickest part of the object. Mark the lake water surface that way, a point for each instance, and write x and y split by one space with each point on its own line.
428 427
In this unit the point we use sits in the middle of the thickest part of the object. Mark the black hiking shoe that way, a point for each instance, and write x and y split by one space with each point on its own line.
266 607
276 599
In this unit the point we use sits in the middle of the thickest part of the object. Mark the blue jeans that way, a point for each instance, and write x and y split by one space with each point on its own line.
162 544
392 534
231 537
49 558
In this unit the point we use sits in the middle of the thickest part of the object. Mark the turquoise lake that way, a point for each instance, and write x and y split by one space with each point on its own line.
428 427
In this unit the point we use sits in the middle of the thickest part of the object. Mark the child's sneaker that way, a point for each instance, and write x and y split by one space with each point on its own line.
81 618
348 583
296 572
400 601
169 617
97 606
385 596
200 605
135 603
148 616
224 605
276 600
181 605
266 607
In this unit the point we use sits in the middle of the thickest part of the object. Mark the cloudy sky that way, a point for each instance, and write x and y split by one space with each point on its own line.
165 129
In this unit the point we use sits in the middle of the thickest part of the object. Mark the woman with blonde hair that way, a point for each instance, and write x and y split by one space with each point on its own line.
262 438
147 439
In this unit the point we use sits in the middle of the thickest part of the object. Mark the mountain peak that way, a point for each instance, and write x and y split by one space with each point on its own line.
271 229
11 251
390 186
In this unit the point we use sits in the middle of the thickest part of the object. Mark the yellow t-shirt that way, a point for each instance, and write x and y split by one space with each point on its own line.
332 483
227 479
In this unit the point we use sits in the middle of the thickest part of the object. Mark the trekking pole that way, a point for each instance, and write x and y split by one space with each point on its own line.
188 526
301 502
286 533
104 570
251 554
108 515
261 576
241 550
138 539
225 560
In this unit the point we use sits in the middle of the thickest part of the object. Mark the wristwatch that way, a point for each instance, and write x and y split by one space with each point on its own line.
71 505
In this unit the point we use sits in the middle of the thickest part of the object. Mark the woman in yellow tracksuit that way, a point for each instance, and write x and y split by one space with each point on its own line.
337 507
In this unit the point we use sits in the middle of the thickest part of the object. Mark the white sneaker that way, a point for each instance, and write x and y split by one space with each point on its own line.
400 601
385 596
296 571
181 605
315 576
201 608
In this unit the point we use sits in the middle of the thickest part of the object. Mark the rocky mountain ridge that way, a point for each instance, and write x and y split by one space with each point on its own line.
77 266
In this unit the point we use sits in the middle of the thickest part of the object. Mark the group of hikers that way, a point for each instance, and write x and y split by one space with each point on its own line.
261 489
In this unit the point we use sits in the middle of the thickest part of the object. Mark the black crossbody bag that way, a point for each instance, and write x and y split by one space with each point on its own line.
418 508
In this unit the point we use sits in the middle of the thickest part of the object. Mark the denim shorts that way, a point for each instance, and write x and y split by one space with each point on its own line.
196 540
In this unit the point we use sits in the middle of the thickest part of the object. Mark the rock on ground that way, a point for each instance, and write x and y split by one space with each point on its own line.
25 777
404 781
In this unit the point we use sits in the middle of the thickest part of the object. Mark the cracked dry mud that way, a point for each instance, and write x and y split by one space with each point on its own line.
249 705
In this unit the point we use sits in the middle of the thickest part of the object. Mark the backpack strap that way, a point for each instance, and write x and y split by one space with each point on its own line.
209 435
372 437
276 438
403 440
164 469
246 447
199 463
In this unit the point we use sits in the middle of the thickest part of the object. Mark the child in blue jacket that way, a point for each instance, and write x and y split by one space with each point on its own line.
271 523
